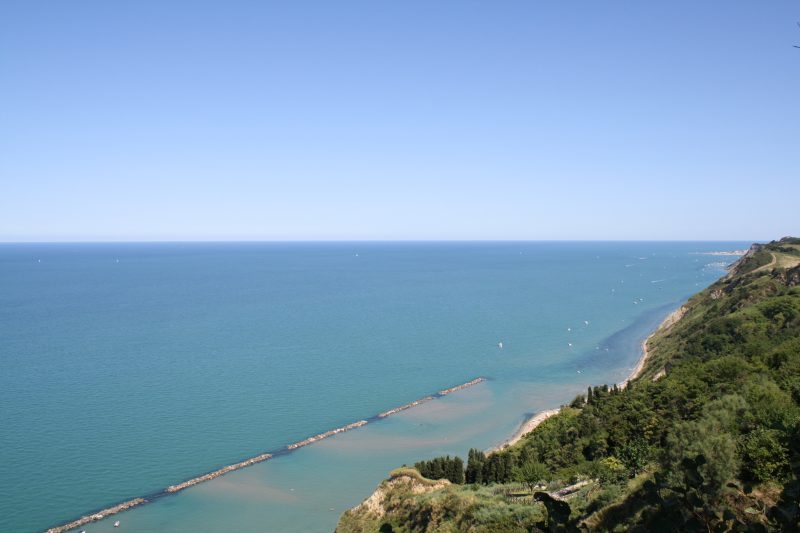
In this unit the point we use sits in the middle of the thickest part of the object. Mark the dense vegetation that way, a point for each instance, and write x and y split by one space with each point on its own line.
442 468
708 438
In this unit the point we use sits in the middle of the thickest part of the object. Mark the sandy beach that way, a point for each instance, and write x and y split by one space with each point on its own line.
665 324
534 421
526 427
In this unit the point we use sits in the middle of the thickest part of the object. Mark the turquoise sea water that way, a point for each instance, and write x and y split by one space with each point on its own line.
125 368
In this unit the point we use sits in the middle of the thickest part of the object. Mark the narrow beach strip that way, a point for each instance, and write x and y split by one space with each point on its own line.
527 426
667 323
172 489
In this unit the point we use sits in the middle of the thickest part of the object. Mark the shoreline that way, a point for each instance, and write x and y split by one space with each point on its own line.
528 425
665 324
533 421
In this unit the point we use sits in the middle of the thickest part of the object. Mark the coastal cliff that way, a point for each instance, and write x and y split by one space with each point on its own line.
705 437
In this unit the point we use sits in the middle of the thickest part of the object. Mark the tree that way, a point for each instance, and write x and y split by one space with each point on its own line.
531 474
475 460
635 455
703 437
456 474
764 455
611 470
448 468
684 505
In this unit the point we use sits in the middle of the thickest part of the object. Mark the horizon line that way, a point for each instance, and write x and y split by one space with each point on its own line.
366 241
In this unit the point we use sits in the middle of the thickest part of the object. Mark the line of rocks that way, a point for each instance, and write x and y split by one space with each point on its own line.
82 521
396 410
253 460
216 473
460 387
331 433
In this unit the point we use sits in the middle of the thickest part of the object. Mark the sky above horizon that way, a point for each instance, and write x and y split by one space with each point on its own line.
399 120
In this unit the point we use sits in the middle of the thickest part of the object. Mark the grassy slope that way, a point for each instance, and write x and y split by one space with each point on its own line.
730 395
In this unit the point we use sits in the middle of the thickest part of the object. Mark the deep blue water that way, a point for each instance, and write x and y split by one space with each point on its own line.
125 368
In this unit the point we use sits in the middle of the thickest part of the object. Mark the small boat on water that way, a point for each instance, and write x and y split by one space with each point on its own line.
500 345
116 524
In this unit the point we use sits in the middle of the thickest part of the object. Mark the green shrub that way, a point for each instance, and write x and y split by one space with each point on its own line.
765 458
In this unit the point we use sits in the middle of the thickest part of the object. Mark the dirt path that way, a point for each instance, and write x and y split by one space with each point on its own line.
780 261
770 265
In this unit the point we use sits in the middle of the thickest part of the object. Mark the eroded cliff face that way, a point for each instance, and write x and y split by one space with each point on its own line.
790 277
402 483
734 269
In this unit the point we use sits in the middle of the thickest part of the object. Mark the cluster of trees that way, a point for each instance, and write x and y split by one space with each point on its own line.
481 469
724 419
445 467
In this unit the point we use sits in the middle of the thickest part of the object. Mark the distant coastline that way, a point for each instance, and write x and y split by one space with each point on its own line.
729 253
533 421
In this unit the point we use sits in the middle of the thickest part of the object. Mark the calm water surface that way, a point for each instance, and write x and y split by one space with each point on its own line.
125 368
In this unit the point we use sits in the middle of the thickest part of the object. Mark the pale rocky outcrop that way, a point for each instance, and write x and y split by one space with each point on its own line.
374 505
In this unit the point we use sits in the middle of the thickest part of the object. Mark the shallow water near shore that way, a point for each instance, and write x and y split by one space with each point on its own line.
127 368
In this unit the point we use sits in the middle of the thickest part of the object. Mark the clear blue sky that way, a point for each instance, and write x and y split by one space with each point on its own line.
399 120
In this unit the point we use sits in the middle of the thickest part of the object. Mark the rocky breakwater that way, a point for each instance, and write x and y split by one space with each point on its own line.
439 394
216 473
82 521
390 412
331 433
396 410
460 387
172 489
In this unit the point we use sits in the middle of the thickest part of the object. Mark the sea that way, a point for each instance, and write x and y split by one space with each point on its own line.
129 367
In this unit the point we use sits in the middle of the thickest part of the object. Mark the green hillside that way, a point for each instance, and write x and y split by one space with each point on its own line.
706 439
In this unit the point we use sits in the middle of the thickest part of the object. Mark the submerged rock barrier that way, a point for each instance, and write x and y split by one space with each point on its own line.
439 394
331 433
460 387
396 410
172 489
99 515
216 473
